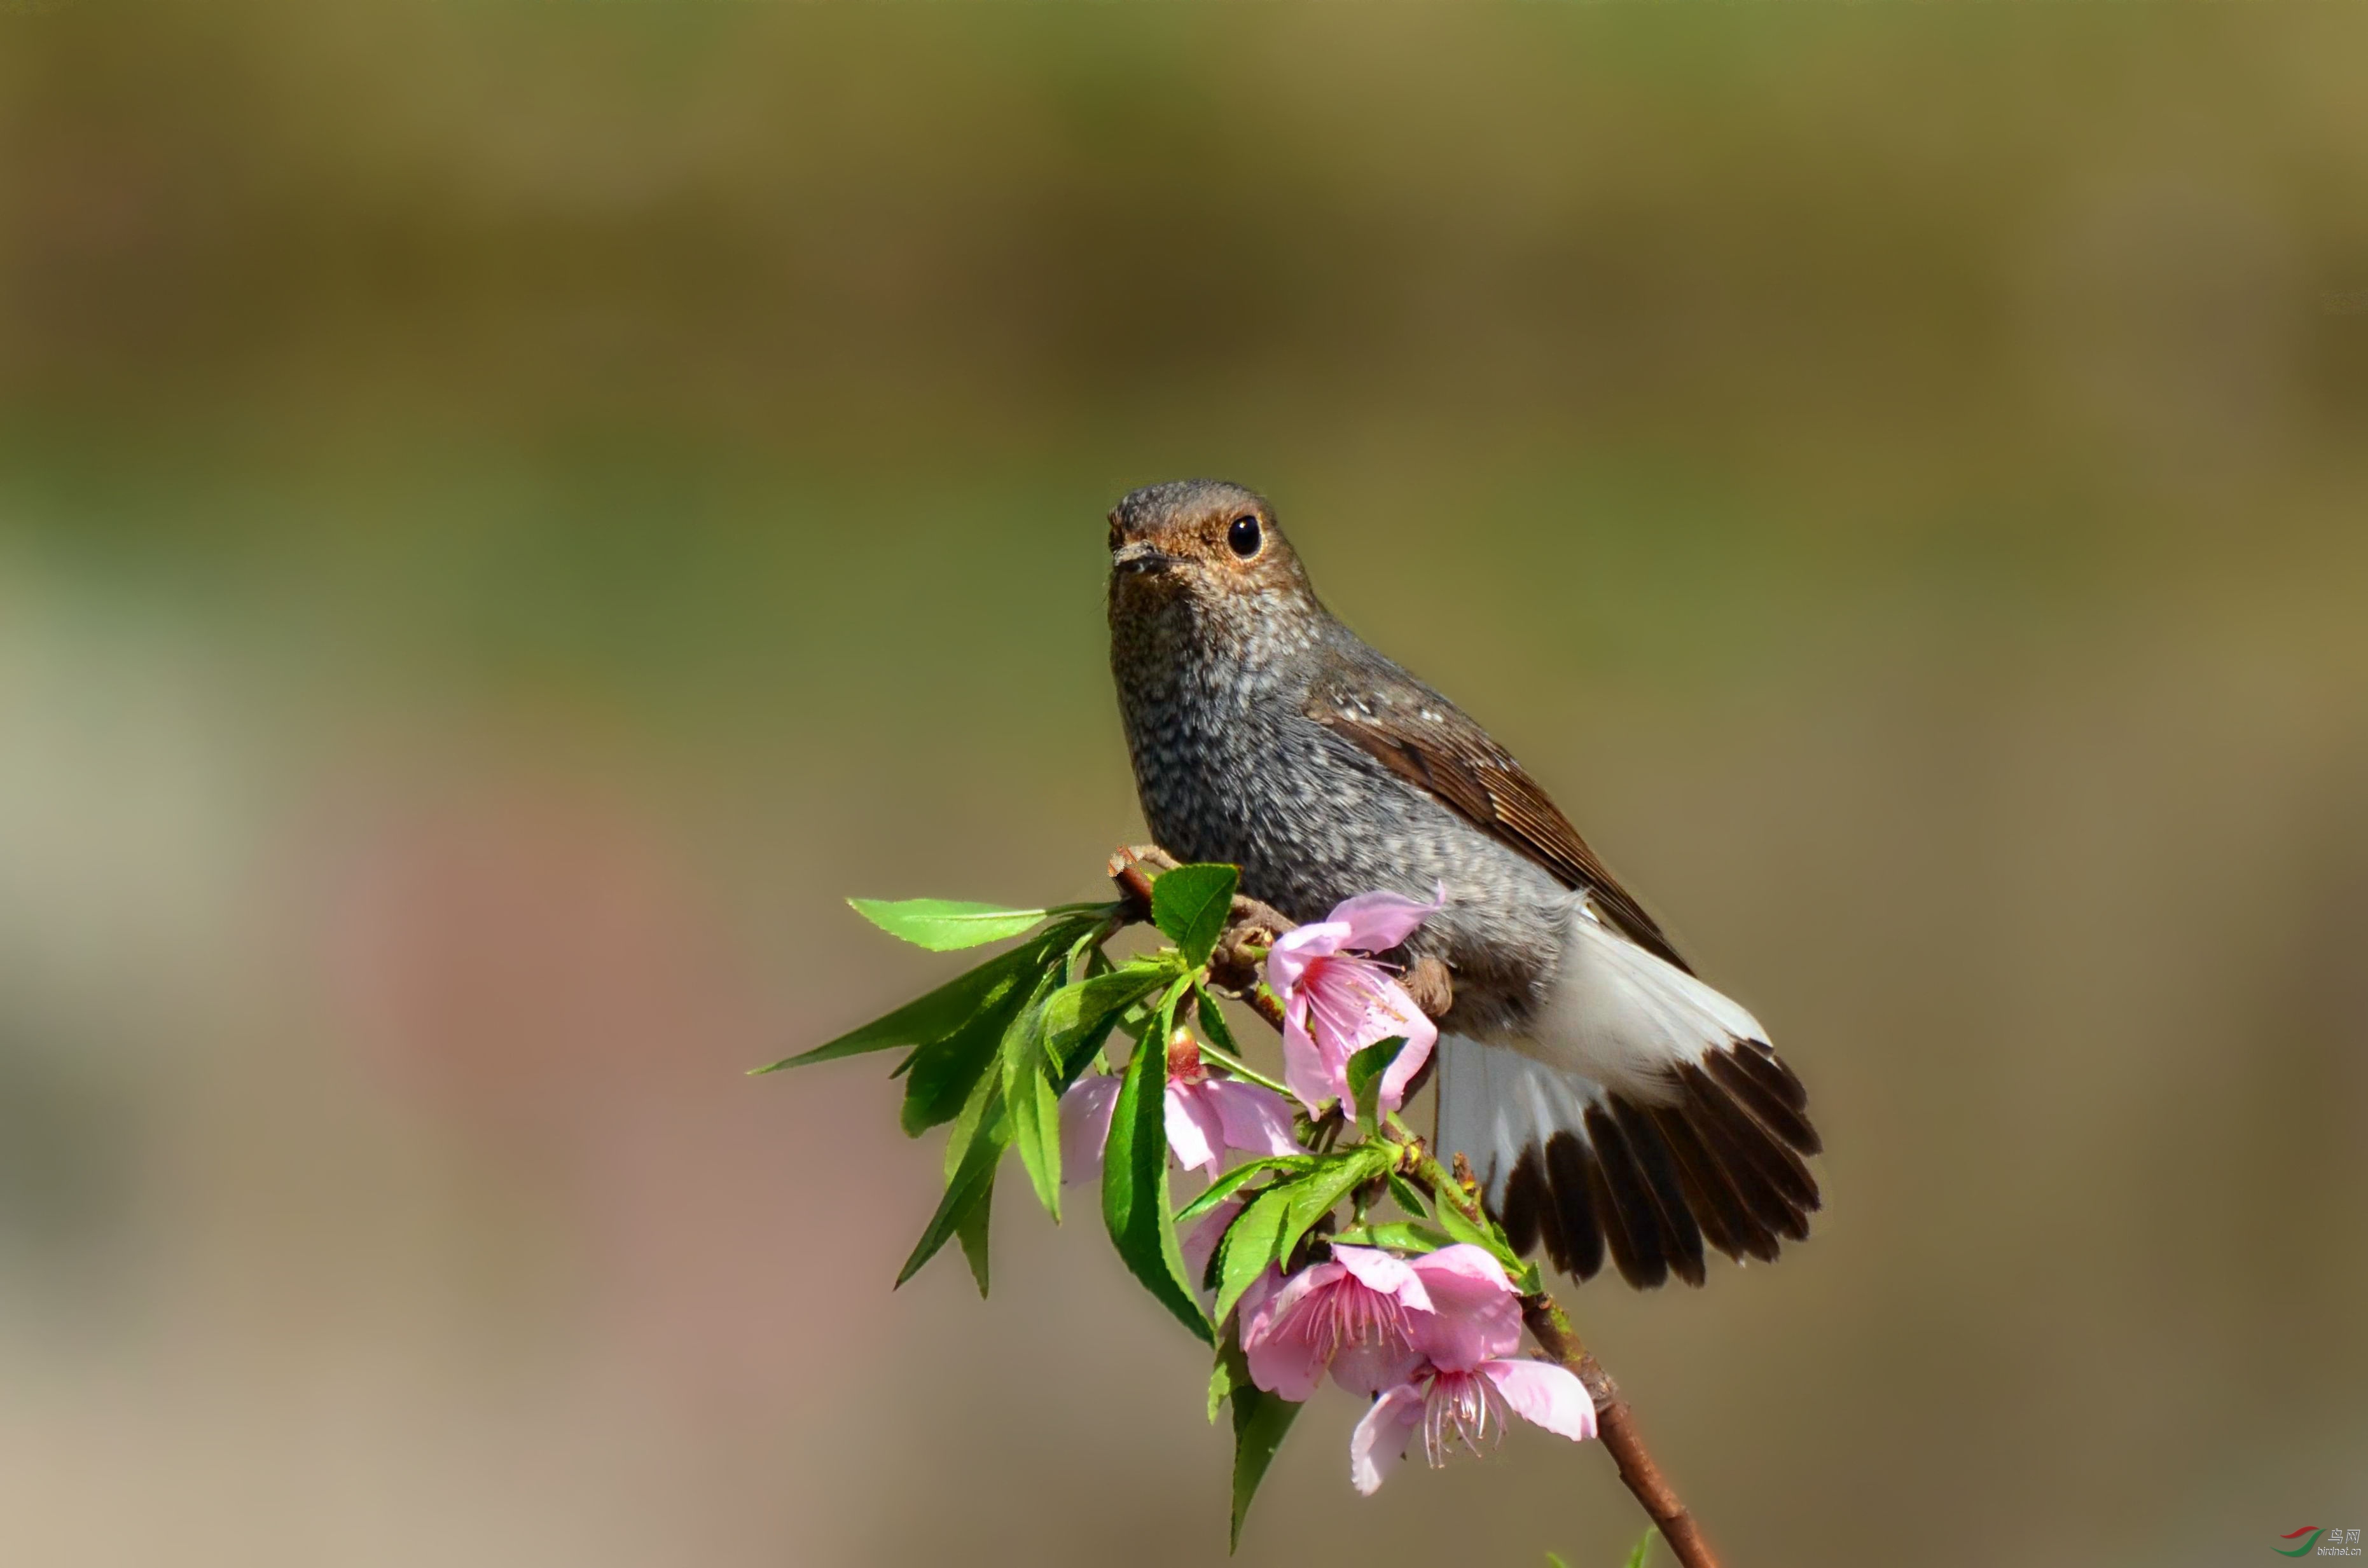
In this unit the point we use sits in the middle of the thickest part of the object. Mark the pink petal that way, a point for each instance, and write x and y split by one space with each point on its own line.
1366 1367
1199 1244
1085 1127
1421 1034
1296 949
1195 1133
1379 1440
1476 1316
1253 1119
1284 1359
1464 1269
1387 1275
1305 1068
1258 1295
1377 922
1551 1396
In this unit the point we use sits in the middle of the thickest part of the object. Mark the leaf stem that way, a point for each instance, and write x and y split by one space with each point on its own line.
1239 1068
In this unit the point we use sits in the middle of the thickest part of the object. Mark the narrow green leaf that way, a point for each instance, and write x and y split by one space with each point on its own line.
971 1233
1316 1196
1261 1420
1134 1177
1365 1071
1035 1109
978 1114
1221 1384
1241 1176
1409 1196
942 924
1456 1223
941 1074
931 1017
1398 1235
1248 1247
1036 1128
1213 1021
1090 1007
1190 905
966 1188
1644 1549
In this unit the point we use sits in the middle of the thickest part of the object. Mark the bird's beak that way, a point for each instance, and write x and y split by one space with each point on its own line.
1139 557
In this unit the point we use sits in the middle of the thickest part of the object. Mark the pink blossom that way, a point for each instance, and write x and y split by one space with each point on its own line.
1464 1385
1467 1408
1373 1320
1205 1116
1336 1001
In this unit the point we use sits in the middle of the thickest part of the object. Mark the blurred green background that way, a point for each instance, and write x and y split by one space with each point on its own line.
508 513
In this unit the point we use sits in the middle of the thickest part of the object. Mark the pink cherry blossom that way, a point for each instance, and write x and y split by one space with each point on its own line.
1336 1001
1205 1117
1467 1408
1464 1385
1373 1320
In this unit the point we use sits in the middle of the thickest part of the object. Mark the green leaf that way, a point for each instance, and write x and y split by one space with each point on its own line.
1213 1022
1035 1110
969 1185
1316 1196
971 1233
978 1114
1261 1420
1396 1235
1190 905
939 1078
1365 1071
1644 1549
1409 1196
941 924
1241 1176
1456 1223
1220 1387
1249 1245
1036 1127
1134 1176
932 1018
1090 1007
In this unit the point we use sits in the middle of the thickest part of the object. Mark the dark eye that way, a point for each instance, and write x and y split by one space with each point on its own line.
1244 536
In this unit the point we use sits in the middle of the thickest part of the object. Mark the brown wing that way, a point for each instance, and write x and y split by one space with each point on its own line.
1426 739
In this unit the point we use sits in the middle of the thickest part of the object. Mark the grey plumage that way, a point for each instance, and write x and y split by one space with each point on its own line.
1264 732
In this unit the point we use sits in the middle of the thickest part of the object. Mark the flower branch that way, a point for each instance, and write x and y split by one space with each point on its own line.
1109 1072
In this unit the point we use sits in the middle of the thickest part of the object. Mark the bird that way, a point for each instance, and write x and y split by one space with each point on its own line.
1609 1102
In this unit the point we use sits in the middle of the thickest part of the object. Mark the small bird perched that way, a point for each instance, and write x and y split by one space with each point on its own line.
1606 1098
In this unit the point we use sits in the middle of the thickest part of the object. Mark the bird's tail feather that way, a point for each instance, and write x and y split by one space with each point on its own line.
1712 1156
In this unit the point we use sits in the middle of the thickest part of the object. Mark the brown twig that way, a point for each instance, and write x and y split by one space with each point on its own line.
1615 1423
1254 925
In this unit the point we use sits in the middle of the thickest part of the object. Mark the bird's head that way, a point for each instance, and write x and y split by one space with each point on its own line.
1204 546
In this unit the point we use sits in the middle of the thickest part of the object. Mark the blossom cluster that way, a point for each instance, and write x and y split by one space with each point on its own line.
1429 1339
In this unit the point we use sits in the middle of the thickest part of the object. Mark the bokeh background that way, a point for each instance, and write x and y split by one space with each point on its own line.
508 513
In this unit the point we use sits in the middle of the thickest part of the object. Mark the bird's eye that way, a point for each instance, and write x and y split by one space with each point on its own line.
1244 536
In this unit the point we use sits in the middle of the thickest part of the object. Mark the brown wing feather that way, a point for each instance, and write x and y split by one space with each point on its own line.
1428 741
